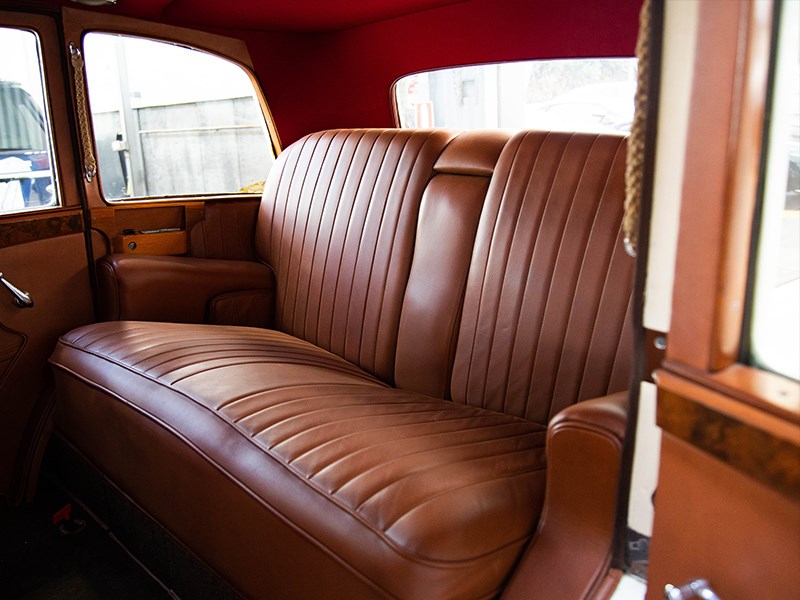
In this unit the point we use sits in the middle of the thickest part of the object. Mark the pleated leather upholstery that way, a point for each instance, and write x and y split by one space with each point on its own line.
423 497
546 319
311 475
227 231
337 225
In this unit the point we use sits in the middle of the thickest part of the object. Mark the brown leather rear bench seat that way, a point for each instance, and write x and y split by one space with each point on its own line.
439 300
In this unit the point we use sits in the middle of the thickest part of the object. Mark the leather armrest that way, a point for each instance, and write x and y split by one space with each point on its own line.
571 551
185 290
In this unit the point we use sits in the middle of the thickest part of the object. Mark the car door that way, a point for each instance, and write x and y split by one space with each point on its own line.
171 168
727 505
46 282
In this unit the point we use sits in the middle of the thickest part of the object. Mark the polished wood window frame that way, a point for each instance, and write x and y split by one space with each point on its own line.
704 388
78 22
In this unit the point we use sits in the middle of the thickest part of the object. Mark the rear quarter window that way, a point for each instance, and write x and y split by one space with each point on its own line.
592 95
172 121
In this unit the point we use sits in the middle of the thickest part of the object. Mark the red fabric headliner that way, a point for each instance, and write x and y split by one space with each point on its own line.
295 15
344 79
270 15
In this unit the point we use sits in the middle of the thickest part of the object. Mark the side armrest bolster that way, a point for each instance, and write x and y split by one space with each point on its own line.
185 290
571 551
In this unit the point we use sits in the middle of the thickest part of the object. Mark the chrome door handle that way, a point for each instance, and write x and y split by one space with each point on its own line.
699 588
21 299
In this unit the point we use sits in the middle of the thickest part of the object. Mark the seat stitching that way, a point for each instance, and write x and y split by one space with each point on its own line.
505 476
366 449
339 275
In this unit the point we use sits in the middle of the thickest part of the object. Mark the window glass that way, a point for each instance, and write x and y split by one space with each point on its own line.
594 95
172 121
27 179
775 331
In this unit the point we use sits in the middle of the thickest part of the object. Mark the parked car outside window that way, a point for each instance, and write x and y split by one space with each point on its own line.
26 176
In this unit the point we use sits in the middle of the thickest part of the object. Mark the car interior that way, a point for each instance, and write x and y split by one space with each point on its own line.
415 299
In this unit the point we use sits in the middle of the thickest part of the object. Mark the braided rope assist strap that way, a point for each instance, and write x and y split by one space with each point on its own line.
89 162
634 168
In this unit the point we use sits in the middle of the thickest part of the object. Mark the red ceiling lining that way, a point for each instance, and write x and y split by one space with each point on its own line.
293 15
344 79
141 9
271 15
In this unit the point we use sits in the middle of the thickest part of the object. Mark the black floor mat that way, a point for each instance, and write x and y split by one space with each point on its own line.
39 560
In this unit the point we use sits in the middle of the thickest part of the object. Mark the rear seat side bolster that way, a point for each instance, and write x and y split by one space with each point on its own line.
576 531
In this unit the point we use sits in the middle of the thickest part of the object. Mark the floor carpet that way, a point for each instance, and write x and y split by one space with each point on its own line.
40 560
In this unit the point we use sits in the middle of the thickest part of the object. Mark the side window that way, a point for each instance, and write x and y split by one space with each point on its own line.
775 319
27 180
172 121
584 94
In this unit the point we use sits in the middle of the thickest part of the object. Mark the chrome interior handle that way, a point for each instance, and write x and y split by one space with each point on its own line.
21 299
699 588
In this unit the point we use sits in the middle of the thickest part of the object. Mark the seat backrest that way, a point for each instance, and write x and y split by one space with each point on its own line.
337 223
448 220
546 318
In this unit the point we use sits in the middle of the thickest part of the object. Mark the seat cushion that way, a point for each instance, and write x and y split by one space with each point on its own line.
405 495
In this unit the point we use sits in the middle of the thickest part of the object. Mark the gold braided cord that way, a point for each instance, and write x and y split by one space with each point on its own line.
89 162
635 163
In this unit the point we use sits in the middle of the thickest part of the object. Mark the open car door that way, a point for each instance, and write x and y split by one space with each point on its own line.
727 505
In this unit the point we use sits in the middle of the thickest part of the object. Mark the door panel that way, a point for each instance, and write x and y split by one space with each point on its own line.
745 542
43 252
54 271
729 483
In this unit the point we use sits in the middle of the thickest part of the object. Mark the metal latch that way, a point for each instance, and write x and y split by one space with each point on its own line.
699 588
21 299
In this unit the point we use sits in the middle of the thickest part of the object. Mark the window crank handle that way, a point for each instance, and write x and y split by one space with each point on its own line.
21 299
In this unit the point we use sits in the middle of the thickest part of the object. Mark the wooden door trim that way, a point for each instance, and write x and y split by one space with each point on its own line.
24 228
761 444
